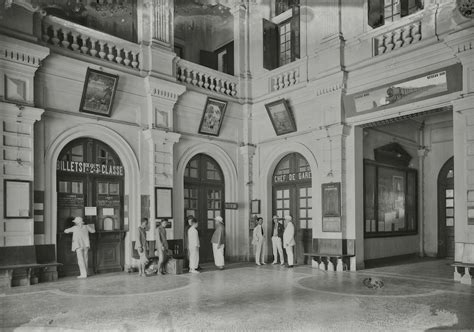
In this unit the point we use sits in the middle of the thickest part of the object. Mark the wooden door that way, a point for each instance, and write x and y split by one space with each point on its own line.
72 198
292 195
446 203
204 199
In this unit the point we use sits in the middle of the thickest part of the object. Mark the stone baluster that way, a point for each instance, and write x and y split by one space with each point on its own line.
398 38
194 80
65 42
286 79
293 77
381 47
417 29
101 49
227 88
93 50
389 41
200 80
118 57
55 38
126 59
206 81
134 59
233 89
74 45
211 85
275 83
84 48
189 76
222 87
110 53
408 36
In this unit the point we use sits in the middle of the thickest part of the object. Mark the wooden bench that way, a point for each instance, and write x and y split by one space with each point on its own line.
465 278
26 265
323 261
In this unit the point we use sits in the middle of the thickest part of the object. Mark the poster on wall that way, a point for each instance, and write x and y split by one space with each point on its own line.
331 206
98 93
163 203
416 88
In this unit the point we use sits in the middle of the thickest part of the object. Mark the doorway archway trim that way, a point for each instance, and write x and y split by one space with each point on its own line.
127 157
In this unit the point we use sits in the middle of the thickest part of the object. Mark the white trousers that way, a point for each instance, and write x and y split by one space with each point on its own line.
277 249
82 259
259 257
218 254
289 253
193 258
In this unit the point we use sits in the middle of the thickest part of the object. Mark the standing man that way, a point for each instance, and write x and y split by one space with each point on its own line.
161 245
277 240
193 246
289 240
258 241
81 243
218 243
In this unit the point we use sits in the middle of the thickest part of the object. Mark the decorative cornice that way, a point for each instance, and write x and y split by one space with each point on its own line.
330 89
165 90
158 135
15 112
22 52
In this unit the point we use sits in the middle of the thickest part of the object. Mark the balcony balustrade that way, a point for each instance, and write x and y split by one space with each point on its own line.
77 38
397 38
206 78
285 78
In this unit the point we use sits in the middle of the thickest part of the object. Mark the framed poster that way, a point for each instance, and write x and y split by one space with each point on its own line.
255 206
18 199
212 116
331 206
98 92
281 117
163 203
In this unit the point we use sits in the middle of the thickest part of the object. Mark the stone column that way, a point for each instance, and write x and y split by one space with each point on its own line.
163 22
19 61
247 152
159 138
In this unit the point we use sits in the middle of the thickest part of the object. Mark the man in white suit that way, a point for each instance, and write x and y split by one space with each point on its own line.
289 240
193 246
258 241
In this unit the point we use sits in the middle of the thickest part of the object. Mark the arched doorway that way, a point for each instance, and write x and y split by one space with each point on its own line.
90 184
446 210
292 195
204 198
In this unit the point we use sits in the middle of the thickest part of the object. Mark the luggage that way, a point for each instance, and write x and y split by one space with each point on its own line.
174 266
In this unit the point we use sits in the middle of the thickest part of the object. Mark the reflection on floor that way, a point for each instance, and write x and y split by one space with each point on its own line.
415 296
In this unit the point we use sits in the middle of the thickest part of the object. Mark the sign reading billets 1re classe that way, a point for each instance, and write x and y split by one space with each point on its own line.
89 168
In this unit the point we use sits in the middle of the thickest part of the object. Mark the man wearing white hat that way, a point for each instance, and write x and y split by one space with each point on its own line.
218 243
80 243
289 240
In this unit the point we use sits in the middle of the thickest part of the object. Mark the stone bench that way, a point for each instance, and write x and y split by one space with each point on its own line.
323 261
465 278
27 265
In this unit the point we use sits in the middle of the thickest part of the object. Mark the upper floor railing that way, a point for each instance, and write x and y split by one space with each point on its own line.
206 78
77 38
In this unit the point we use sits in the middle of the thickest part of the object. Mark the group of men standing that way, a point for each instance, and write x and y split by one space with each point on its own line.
283 236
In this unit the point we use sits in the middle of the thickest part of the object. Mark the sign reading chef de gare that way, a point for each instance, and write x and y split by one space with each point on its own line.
89 168
292 177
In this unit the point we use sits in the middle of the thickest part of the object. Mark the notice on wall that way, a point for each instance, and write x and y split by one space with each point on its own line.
108 211
90 210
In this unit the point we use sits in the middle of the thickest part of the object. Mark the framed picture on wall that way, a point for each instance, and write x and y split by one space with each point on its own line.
281 117
163 203
331 206
98 92
212 116
18 199
255 206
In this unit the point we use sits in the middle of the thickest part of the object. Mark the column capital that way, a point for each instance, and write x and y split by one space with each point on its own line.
422 151
15 112
163 136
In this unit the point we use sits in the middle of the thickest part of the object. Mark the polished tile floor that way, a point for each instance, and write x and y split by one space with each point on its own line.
245 297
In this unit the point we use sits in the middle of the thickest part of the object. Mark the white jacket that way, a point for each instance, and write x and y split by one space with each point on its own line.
289 235
257 234
193 237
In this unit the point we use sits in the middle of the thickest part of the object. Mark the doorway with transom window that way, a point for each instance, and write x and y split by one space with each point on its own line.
292 195
204 199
